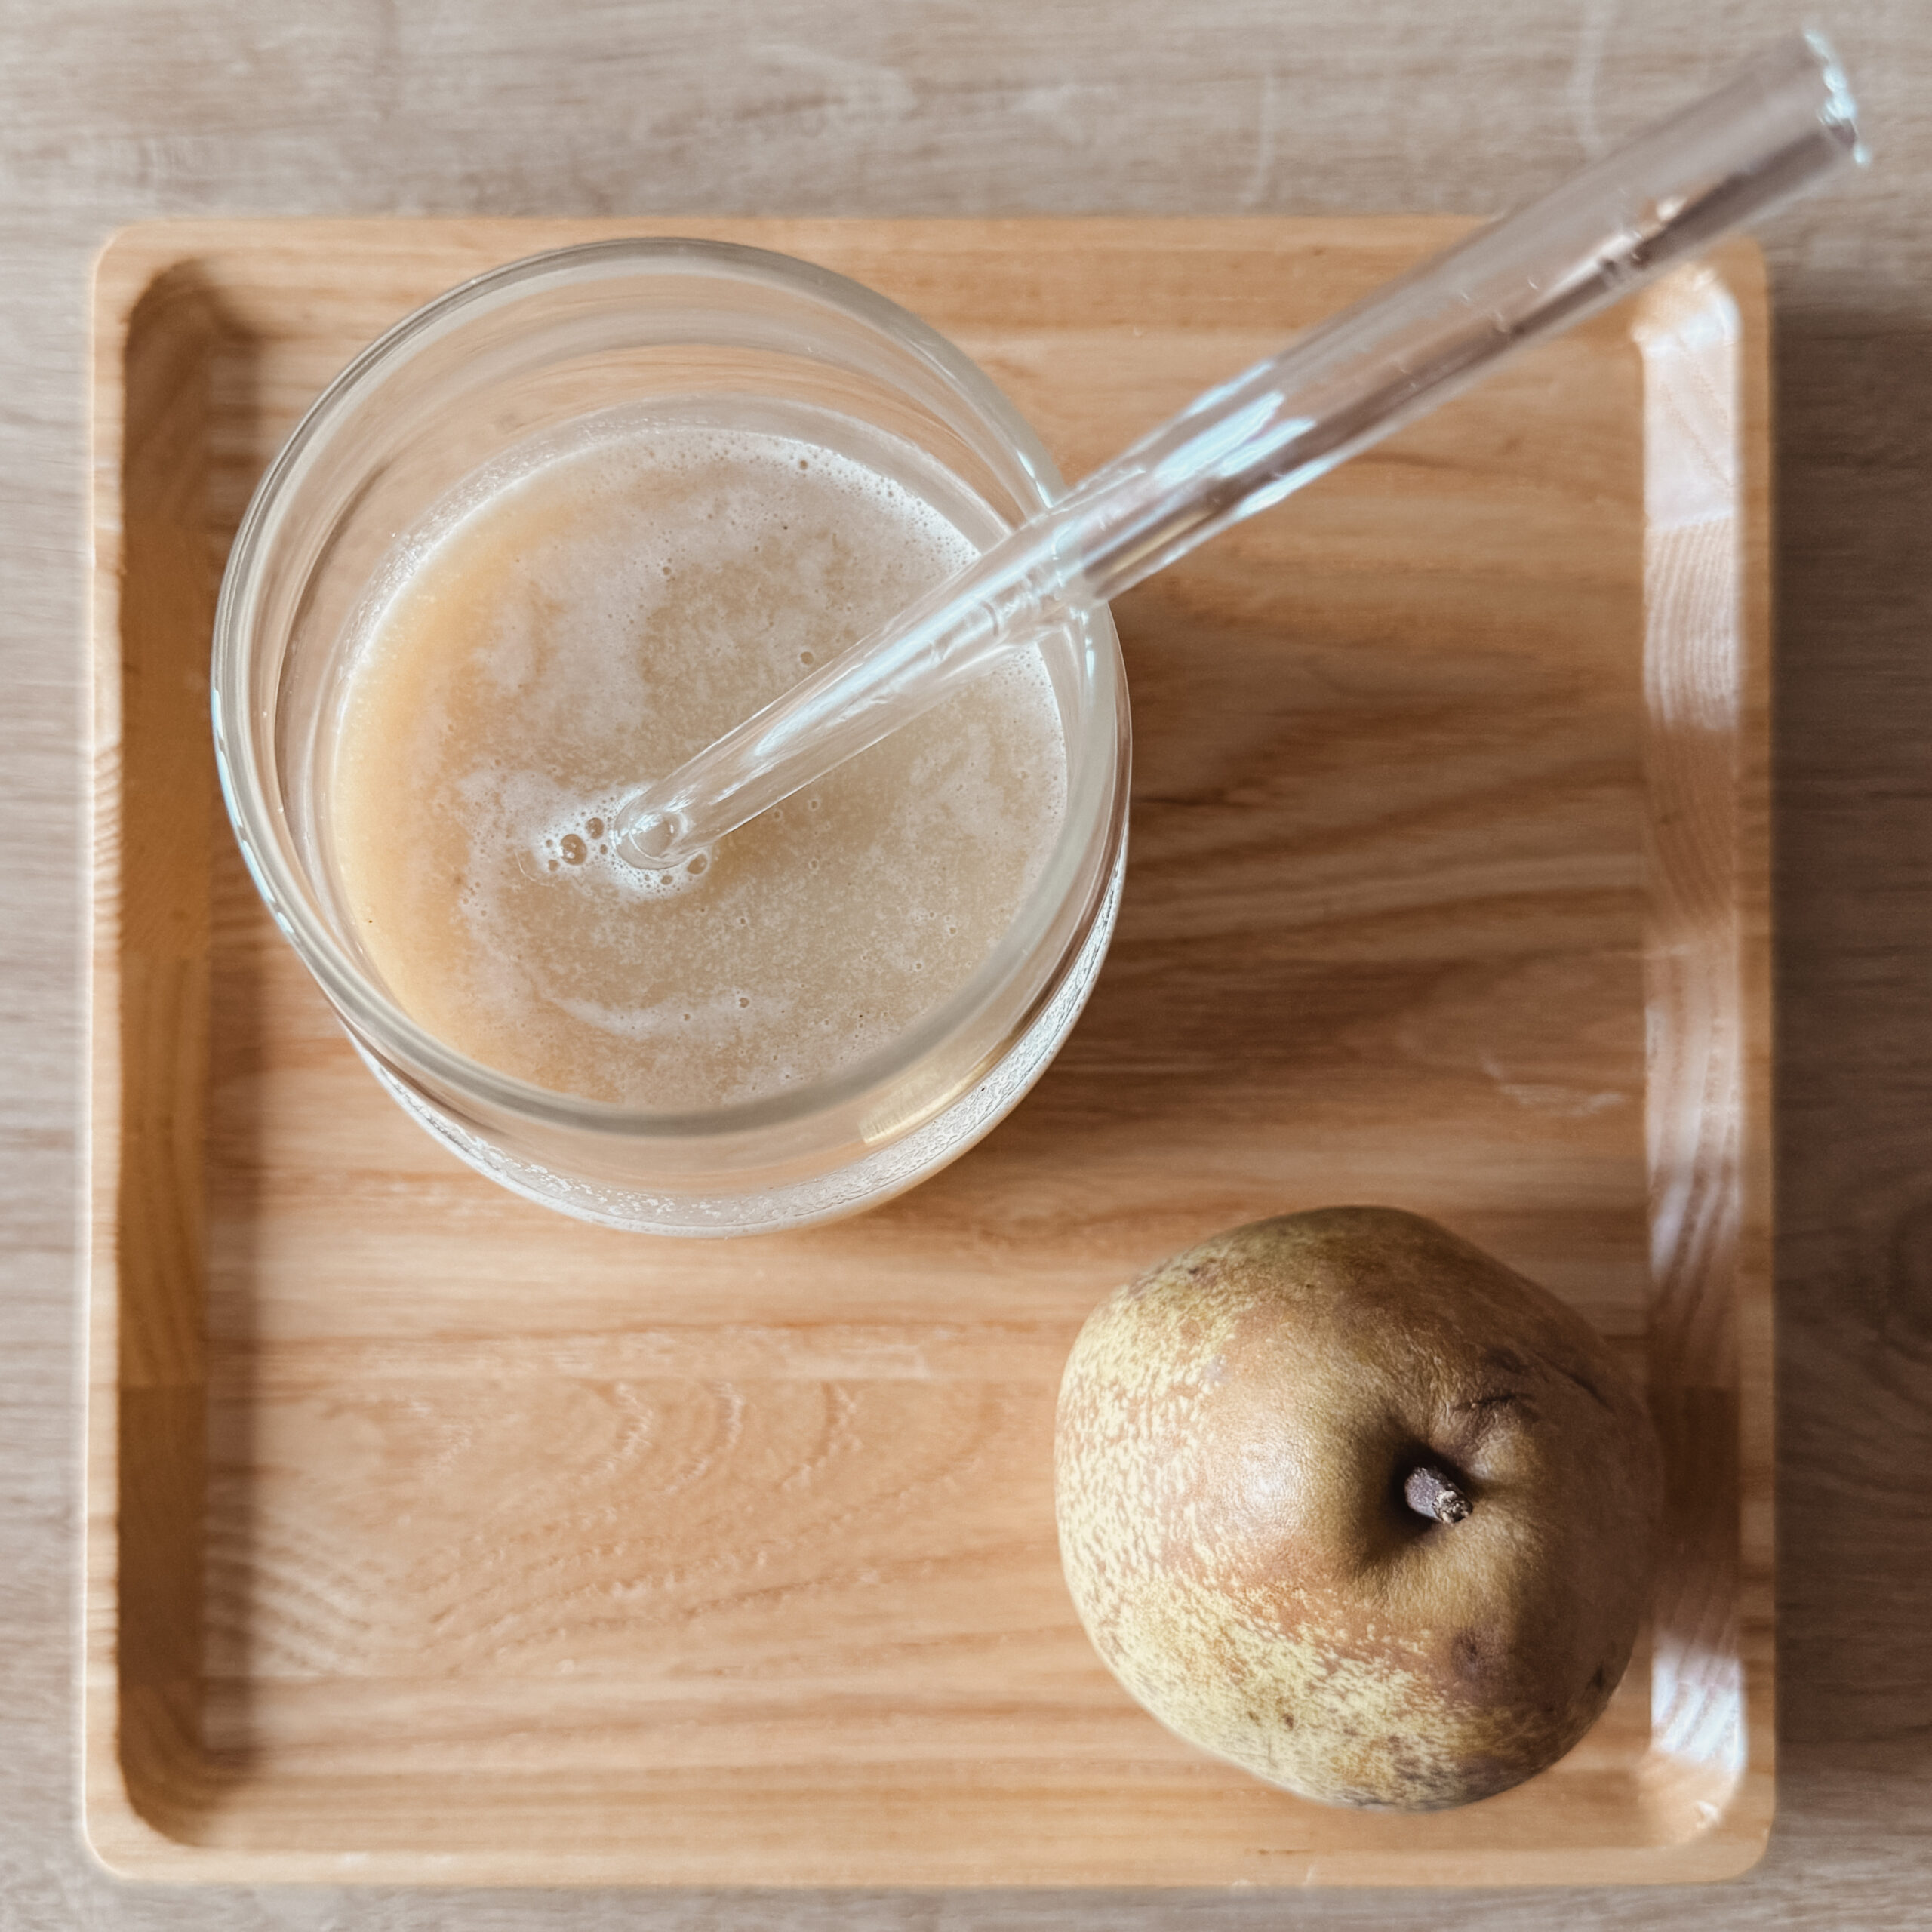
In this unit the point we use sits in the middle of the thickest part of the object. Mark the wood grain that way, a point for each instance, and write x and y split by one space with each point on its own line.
115 111
434 1535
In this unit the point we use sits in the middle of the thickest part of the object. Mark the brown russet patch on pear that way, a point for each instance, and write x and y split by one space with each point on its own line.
1238 1436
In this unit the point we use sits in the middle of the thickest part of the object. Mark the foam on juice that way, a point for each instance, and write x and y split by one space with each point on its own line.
594 622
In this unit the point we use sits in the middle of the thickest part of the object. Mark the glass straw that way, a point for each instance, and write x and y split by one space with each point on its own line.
1777 129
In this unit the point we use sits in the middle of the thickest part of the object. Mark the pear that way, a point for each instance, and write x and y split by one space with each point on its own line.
1346 1501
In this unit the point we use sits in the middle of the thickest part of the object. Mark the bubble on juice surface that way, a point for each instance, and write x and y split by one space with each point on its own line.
574 831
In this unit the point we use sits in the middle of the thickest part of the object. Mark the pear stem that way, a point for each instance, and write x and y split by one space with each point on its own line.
1430 1492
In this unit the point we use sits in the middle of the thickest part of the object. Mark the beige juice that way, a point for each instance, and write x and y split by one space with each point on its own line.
625 595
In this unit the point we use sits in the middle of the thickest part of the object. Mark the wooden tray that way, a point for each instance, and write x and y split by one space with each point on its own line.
434 1536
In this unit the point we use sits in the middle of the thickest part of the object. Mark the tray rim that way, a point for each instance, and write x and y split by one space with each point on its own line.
115 1828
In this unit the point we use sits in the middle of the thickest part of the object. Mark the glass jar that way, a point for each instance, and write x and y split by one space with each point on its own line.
516 354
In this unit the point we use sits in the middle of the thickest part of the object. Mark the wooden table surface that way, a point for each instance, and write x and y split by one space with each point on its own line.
113 110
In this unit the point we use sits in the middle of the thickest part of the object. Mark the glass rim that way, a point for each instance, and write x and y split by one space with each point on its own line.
281 879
